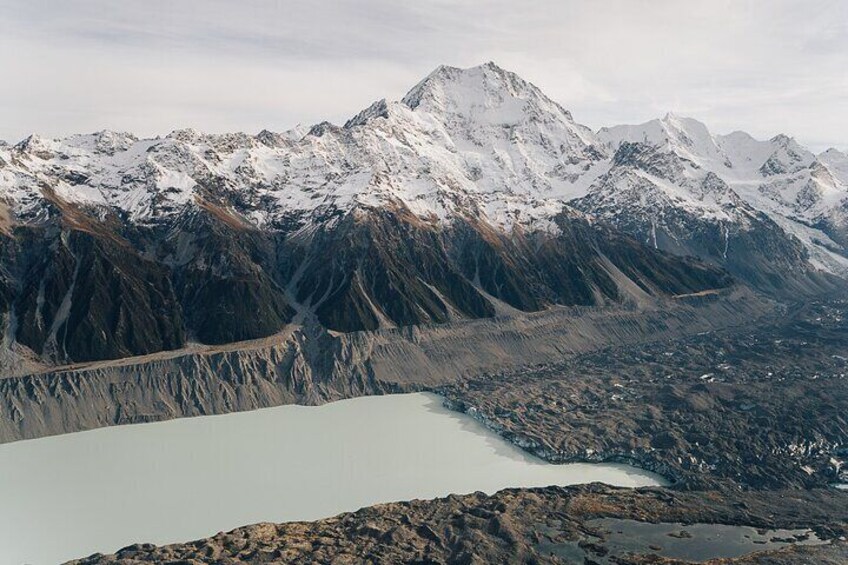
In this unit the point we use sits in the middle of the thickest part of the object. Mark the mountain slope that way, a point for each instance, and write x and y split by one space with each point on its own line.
667 201
473 196
803 195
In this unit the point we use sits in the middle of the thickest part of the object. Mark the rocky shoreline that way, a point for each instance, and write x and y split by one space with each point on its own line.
761 408
541 451
547 525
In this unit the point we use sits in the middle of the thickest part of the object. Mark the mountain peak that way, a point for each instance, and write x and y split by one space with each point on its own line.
446 74
685 136
29 141
185 135
680 121
783 140
484 91
834 151
837 162
378 109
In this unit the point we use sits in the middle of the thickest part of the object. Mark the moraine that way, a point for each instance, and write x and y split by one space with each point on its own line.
189 478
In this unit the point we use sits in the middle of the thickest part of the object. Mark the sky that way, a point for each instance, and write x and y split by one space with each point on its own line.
152 66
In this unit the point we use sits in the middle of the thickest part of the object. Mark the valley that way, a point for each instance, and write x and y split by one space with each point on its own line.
759 407
309 365
657 295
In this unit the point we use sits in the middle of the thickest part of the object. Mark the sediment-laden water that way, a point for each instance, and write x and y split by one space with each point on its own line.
71 495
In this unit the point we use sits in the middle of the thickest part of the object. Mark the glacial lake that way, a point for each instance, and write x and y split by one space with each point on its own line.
69 496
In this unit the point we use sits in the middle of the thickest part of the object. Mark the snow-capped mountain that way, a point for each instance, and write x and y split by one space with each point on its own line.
475 194
480 138
804 194
477 141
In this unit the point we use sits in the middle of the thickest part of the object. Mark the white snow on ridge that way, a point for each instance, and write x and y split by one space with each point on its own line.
479 141
793 186
687 137
476 142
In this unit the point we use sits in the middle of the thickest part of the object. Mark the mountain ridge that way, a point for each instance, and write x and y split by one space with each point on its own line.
472 194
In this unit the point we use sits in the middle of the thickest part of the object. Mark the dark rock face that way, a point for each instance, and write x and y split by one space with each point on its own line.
659 272
121 304
837 229
225 277
382 266
649 159
90 289
749 244
7 292
770 261
46 282
387 266
90 285
85 297
222 310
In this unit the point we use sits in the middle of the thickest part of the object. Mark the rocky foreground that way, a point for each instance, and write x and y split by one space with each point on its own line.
513 526
751 423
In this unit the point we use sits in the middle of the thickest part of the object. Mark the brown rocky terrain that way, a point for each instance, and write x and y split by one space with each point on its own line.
549 525
84 284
